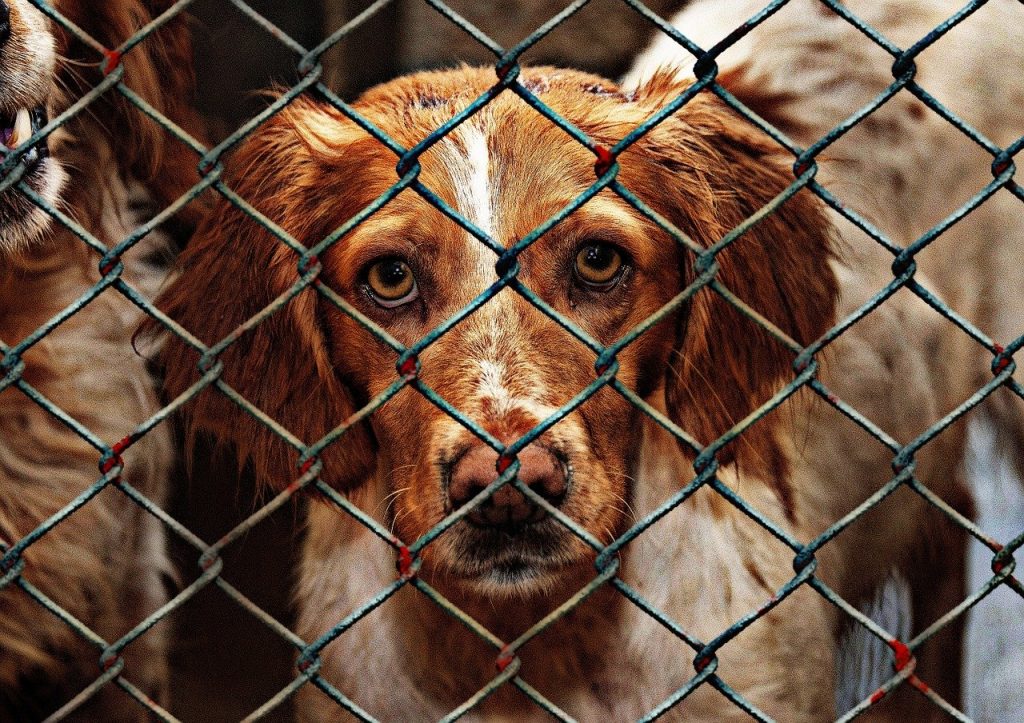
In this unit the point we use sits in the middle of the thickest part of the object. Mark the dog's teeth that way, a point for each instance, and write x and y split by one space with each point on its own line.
22 129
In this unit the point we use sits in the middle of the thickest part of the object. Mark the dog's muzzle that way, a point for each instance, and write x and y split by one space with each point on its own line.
18 127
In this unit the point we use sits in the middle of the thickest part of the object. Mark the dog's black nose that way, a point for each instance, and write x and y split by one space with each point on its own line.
5 22
508 507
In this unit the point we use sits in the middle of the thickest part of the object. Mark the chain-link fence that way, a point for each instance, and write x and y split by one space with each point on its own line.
15 573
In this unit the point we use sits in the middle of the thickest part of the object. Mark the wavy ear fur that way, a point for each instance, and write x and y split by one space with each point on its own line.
726 365
231 270
159 69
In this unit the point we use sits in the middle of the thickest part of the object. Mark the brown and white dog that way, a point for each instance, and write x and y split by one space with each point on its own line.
109 169
508 367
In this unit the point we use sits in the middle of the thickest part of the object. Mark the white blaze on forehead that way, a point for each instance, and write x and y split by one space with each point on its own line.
466 157
475 195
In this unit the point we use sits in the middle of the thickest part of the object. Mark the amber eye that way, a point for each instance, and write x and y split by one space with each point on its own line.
599 265
391 282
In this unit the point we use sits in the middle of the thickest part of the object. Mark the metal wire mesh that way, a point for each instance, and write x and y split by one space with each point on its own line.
407 552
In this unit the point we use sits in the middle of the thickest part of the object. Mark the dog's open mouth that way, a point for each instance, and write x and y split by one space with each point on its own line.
20 220
18 127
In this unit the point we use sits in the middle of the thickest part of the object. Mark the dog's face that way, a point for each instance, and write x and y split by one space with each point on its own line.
27 67
408 269
508 367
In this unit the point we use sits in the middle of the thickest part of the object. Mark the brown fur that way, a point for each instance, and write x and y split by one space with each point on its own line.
282 171
160 70
309 367
105 563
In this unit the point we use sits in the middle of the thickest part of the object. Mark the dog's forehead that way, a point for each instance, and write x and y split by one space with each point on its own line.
506 168
508 174
504 161
415 107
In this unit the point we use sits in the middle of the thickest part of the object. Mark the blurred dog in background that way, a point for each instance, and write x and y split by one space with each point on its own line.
906 170
109 169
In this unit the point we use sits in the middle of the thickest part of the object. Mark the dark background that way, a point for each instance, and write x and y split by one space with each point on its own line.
225 662
235 57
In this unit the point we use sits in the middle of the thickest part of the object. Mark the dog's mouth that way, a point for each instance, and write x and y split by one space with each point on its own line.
509 544
17 127
512 558
21 221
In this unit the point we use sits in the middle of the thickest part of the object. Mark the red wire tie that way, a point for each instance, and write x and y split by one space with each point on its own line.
408 367
802 167
115 454
1004 362
903 657
605 159
209 562
903 654
504 659
998 565
113 60
405 561
109 266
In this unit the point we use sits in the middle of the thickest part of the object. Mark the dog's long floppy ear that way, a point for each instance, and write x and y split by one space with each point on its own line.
233 267
726 365
159 69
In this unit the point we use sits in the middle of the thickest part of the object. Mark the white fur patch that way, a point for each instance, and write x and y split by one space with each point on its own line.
863 661
19 233
475 194
492 377
467 159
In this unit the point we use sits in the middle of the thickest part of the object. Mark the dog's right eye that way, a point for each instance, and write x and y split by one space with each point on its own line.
391 282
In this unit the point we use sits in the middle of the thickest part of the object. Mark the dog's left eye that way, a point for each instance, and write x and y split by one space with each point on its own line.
391 282
599 265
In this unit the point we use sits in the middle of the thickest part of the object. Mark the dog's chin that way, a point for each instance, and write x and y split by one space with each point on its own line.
22 221
522 564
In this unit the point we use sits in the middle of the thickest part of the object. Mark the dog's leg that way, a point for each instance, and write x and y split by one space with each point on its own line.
937 580
938 584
